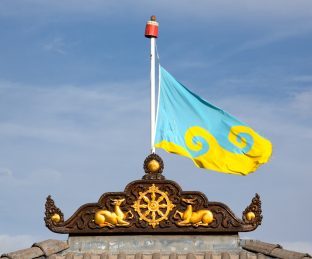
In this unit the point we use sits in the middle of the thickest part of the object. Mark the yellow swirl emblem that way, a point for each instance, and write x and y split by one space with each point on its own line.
219 159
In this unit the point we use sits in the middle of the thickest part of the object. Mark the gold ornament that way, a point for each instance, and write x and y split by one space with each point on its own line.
250 216
153 205
193 218
105 218
56 218
153 166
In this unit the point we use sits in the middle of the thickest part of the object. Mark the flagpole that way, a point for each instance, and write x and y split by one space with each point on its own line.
151 32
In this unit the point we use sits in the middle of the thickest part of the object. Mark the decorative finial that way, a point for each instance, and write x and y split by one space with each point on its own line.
53 215
151 29
253 213
153 167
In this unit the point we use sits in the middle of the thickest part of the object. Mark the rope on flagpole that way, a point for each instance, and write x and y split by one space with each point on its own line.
157 53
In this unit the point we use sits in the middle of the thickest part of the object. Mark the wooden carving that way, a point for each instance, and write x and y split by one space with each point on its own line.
117 218
195 218
153 205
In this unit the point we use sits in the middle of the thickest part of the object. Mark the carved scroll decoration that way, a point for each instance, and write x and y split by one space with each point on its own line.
53 215
252 214
153 205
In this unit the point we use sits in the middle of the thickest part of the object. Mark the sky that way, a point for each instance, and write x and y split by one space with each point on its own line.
74 104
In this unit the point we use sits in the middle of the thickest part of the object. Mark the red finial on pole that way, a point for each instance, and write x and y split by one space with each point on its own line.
151 29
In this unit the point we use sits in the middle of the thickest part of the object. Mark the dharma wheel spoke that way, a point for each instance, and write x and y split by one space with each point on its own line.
160 199
146 199
159 212
146 213
153 196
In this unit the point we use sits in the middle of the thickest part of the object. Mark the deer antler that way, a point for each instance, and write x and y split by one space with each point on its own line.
189 201
115 201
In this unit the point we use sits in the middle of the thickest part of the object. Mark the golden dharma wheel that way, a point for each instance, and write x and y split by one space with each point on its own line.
153 206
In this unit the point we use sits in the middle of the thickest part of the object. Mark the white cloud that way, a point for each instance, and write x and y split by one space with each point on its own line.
56 45
278 35
302 103
58 113
303 78
5 172
38 177
275 34
262 11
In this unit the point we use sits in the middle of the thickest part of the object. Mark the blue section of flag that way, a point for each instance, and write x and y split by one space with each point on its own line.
190 126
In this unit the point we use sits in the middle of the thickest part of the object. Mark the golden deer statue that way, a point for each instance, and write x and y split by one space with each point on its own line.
105 218
193 218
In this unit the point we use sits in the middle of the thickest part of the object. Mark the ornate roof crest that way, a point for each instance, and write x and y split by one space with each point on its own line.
153 205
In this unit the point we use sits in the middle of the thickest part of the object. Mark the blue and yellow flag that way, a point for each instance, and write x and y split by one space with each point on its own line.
190 126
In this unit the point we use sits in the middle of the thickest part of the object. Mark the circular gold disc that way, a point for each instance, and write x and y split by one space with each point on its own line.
153 166
56 218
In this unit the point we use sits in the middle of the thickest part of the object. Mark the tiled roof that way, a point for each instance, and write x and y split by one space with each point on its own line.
42 249
208 255
250 249
273 250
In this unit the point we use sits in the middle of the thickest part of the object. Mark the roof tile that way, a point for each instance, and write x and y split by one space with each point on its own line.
104 256
32 252
190 256
243 255
273 250
70 256
258 246
51 246
225 255
208 255
121 256
282 253
86 256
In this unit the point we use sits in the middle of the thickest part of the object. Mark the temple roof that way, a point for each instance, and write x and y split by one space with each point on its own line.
153 218
249 249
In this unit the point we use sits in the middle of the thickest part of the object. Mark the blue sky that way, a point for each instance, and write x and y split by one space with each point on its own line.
74 104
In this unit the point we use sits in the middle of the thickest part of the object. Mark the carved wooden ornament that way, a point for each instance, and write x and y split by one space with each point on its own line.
153 205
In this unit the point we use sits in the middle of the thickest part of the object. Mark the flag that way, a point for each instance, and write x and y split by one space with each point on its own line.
189 126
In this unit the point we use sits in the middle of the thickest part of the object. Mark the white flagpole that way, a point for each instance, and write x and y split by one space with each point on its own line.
153 115
151 31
